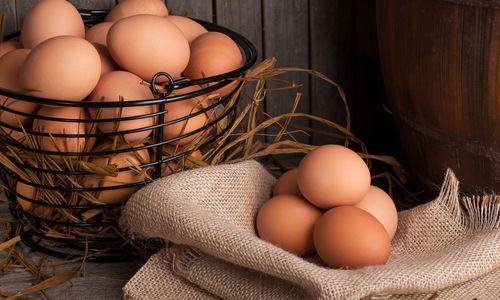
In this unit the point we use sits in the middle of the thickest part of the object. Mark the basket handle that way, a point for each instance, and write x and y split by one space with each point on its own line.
166 88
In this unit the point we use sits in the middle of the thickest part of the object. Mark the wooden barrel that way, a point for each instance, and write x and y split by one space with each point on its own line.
441 67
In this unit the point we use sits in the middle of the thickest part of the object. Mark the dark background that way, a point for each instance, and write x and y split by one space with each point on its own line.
335 37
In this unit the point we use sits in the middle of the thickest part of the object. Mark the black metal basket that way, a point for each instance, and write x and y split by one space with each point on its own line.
115 248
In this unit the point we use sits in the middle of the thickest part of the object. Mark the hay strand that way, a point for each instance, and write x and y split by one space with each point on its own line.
241 141
10 243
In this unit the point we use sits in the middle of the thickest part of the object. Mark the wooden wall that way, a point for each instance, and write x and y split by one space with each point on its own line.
335 37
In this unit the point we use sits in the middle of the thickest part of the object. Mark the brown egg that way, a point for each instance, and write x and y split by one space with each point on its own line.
138 49
177 110
200 101
333 175
10 65
62 144
380 205
107 63
214 53
48 19
349 237
127 8
191 29
122 85
6 47
287 184
27 191
287 221
63 68
98 33
122 160
197 155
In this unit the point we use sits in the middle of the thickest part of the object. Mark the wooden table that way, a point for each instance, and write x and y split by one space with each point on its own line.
98 281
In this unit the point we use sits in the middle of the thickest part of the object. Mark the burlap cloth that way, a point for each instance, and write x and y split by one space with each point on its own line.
450 246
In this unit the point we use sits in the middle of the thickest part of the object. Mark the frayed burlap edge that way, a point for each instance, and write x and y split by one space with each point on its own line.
477 213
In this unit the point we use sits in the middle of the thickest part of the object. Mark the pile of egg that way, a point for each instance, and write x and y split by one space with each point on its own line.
328 205
57 57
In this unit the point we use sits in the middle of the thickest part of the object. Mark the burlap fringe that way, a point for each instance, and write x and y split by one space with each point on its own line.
182 261
473 213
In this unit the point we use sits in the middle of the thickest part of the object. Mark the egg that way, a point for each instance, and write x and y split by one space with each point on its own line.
201 101
214 53
6 47
48 19
107 63
177 110
380 205
287 184
126 86
10 65
27 191
137 48
287 221
122 160
62 144
63 68
127 8
98 33
190 28
333 175
349 237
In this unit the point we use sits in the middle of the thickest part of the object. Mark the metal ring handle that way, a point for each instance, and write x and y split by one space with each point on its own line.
169 86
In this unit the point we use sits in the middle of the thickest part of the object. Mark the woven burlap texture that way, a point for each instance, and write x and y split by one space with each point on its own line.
450 245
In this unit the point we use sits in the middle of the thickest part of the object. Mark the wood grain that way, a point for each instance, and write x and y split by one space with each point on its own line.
441 72
199 9
93 4
2 25
244 17
9 9
99 281
332 53
23 7
286 36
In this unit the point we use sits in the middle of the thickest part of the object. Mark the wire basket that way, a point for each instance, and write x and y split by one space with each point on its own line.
80 233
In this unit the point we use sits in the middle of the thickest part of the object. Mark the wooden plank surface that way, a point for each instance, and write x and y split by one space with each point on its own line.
93 4
244 17
325 35
23 6
332 53
99 281
9 9
199 9
286 36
